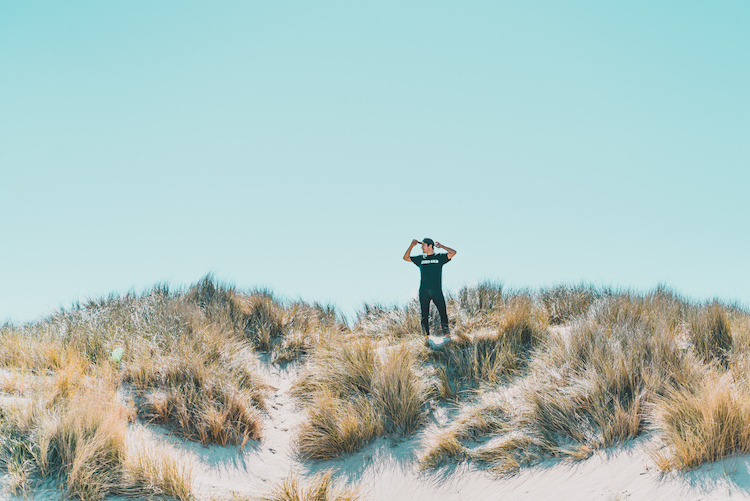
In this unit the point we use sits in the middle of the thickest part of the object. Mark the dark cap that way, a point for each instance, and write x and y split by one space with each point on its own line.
428 241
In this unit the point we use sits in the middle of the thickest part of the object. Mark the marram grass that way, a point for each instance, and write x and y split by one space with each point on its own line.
188 362
320 488
614 365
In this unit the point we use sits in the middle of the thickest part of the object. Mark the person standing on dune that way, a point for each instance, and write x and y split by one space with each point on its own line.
430 286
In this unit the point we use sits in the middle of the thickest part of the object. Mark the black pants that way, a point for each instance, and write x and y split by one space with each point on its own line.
436 296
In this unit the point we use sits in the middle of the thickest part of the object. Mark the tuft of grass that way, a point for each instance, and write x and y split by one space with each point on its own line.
319 488
305 326
287 331
159 468
444 446
353 393
344 367
488 417
491 345
336 426
506 453
592 386
709 331
482 298
81 440
399 391
702 424
264 321
89 444
389 323
563 303
211 400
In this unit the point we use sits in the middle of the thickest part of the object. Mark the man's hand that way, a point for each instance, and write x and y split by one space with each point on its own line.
451 252
408 251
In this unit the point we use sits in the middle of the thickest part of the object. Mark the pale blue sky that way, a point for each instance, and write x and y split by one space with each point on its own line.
302 145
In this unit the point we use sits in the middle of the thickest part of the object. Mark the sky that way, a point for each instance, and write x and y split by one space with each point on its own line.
301 146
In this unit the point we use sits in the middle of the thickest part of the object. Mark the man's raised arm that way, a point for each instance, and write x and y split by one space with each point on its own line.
408 251
451 252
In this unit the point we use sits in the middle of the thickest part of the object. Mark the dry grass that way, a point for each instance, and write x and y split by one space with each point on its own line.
564 303
208 395
287 331
341 368
389 323
189 360
319 488
619 363
488 416
353 393
81 439
708 328
400 391
492 344
159 468
703 423
600 381
336 426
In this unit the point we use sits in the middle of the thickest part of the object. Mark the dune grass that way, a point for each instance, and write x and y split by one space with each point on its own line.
354 392
558 372
708 327
320 488
619 367
495 334
703 423
79 436
189 363
563 303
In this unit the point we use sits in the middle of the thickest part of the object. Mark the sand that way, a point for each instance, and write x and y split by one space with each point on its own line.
386 470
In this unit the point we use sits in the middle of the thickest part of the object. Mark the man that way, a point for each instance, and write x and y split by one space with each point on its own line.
431 287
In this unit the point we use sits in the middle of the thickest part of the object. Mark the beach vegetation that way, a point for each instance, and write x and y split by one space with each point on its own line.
559 372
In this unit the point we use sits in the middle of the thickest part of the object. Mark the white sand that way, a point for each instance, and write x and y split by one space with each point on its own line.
386 470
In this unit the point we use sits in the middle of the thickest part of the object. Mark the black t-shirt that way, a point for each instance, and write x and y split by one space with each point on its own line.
431 268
